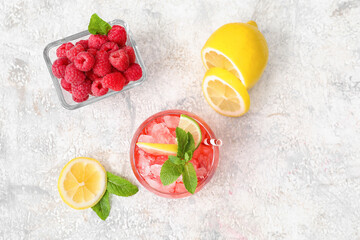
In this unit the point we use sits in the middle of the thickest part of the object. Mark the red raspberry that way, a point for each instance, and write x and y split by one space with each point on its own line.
82 90
59 66
92 51
133 73
109 47
74 75
117 34
98 88
114 81
74 51
96 41
61 51
84 61
84 43
92 76
65 85
131 53
119 60
80 99
102 65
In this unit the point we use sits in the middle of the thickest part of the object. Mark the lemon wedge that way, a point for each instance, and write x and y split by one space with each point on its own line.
158 148
239 48
82 182
225 93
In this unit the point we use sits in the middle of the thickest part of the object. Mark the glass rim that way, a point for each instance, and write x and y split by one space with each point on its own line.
79 35
139 177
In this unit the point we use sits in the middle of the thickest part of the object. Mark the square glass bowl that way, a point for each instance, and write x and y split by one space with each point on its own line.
64 96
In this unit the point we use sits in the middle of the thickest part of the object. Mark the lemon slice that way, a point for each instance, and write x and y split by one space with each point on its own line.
225 93
82 182
158 148
188 124
239 48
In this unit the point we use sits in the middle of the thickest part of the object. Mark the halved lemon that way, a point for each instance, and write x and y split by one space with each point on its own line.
82 182
225 93
188 124
239 48
158 148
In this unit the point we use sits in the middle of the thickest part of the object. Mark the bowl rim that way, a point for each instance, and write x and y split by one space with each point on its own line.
143 182
73 37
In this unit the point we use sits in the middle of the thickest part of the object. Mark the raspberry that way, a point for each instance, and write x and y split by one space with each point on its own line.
133 73
119 60
65 85
84 43
84 61
117 34
74 51
109 47
82 90
92 76
59 66
92 51
102 65
74 75
131 53
61 51
80 99
98 88
114 81
96 41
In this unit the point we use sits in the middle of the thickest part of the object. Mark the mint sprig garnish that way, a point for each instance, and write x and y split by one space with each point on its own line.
179 165
115 185
98 26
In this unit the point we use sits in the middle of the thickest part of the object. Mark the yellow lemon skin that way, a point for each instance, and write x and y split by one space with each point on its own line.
244 45
234 92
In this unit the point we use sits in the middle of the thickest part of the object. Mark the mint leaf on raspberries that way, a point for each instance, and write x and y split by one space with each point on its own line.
98 26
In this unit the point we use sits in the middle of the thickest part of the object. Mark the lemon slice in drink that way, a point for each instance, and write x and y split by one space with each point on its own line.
188 124
239 48
158 148
225 93
82 182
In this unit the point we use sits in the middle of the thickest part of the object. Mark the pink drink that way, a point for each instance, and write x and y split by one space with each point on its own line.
160 128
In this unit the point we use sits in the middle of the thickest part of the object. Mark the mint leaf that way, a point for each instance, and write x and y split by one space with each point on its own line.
170 172
120 186
102 208
98 26
176 160
190 146
189 177
182 139
188 155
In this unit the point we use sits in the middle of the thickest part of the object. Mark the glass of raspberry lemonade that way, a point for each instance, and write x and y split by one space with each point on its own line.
160 128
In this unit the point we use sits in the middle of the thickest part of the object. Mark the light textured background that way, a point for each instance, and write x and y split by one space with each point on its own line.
289 169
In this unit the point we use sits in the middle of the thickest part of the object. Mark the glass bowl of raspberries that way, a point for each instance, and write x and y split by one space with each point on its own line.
87 68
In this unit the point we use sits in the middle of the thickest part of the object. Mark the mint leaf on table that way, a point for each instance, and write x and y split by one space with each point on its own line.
98 26
176 160
120 186
182 140
170 172
102 208
189 177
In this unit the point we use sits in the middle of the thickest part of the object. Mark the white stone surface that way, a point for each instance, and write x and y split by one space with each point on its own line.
289 169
